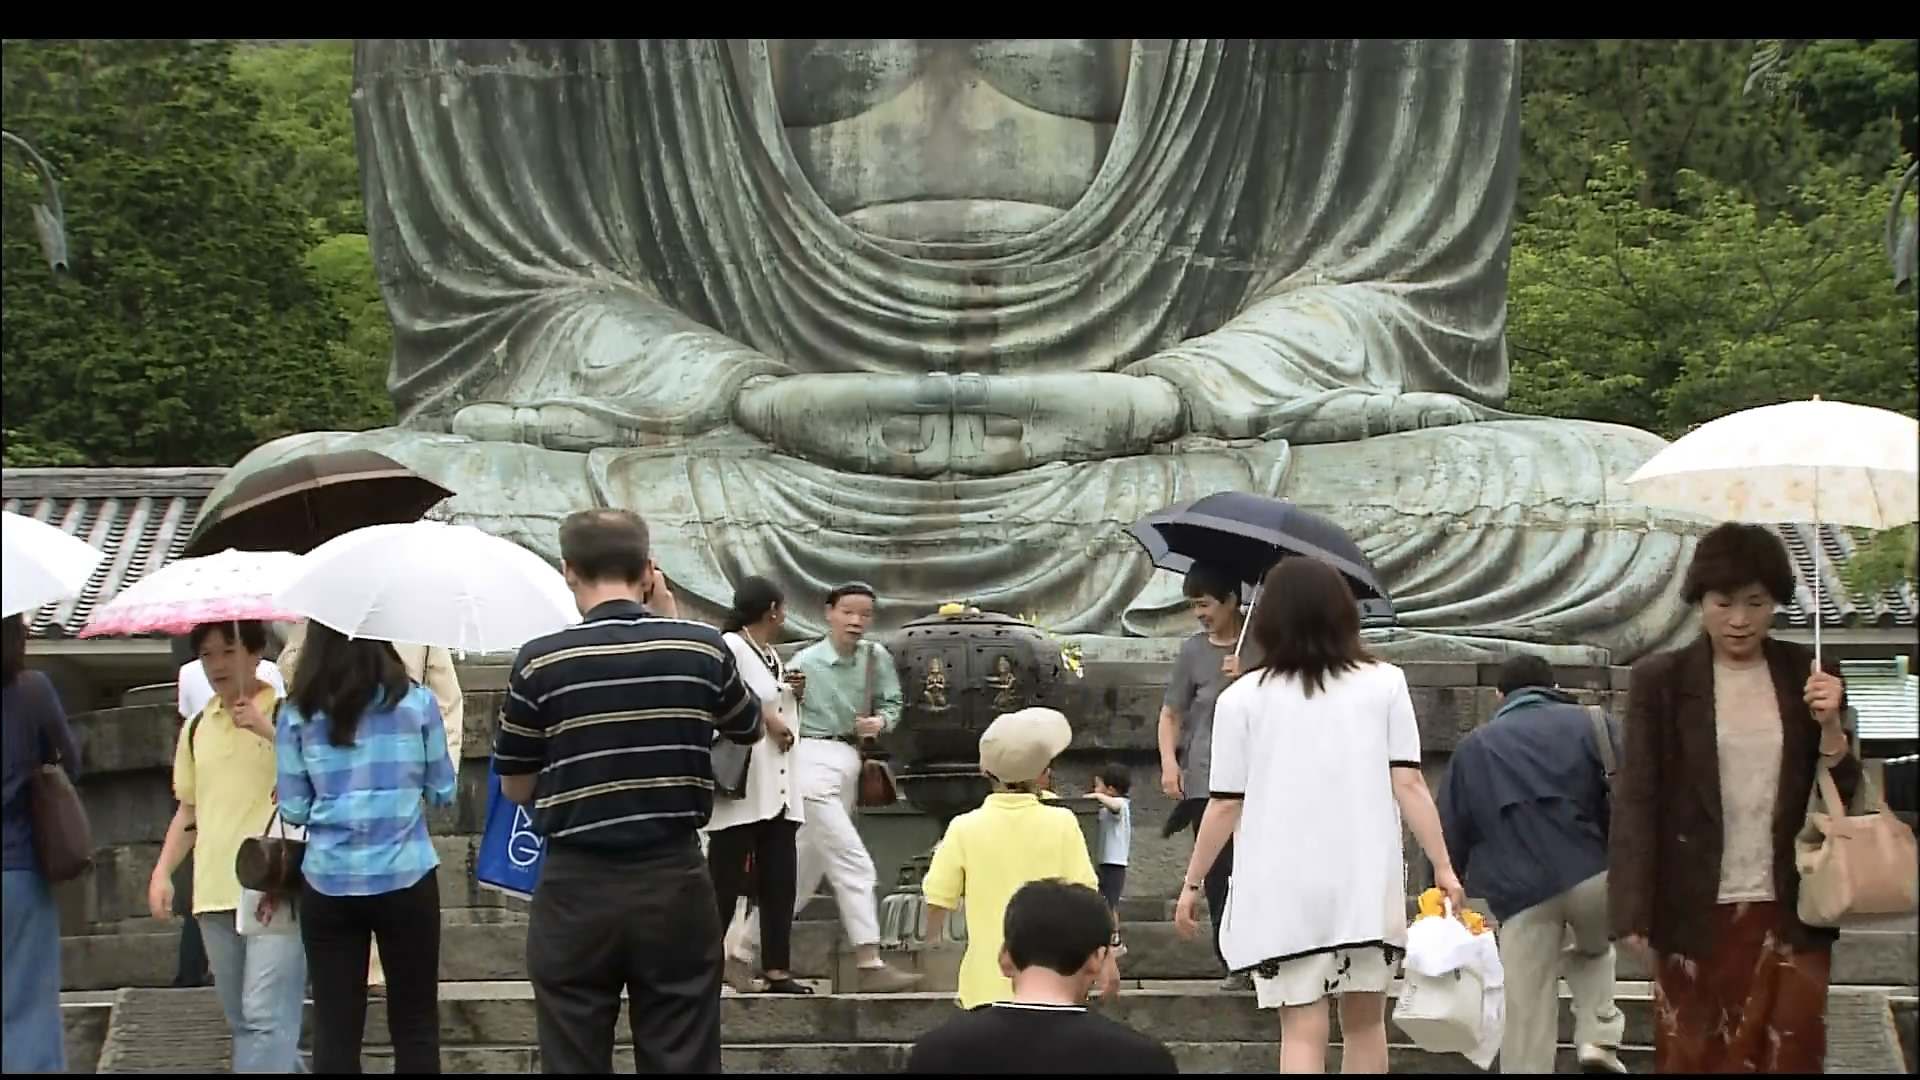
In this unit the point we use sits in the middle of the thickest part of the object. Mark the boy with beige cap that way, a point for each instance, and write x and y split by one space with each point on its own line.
1012 839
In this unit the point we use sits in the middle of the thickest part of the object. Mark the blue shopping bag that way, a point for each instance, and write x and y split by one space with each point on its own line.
510 851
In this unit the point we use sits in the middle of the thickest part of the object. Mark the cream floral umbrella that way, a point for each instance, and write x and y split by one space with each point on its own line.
1821 461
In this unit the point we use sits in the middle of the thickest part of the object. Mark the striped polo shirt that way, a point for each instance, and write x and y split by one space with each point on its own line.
618 716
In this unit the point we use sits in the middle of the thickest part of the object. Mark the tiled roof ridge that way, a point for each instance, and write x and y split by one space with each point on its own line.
28 484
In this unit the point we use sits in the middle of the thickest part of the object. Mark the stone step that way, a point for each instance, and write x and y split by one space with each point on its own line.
482 944
891 1058
503 1015
1201 1015
1906 1024
490 1027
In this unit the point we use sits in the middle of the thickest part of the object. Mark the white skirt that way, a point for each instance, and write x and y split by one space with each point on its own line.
1306 979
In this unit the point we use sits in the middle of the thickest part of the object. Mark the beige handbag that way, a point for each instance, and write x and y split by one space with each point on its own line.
1854 867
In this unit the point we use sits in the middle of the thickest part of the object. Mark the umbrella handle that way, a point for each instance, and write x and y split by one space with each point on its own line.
1819 549
1245 621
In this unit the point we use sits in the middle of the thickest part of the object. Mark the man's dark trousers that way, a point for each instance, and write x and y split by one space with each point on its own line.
646 923
192 969
1218 876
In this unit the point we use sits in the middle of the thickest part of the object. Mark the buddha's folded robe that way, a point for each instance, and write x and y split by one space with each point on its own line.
948 316
1279 229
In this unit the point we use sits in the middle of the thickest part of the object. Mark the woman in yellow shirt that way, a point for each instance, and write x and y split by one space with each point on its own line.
1012 839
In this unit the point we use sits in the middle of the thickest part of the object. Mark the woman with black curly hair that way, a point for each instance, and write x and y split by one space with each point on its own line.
751 850
1724 739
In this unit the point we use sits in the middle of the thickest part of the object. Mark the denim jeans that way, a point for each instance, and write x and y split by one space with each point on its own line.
261 982
34 1041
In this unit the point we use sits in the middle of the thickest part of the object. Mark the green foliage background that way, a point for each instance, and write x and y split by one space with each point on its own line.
1683 251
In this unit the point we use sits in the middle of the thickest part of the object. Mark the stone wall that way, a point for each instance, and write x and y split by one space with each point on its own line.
127 753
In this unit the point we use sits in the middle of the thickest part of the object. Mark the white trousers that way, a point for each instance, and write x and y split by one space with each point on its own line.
828 845
1565 936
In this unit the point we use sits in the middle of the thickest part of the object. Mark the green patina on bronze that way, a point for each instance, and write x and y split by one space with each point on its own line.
947 316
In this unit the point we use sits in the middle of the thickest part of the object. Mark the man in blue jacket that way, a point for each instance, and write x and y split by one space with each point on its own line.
1525 810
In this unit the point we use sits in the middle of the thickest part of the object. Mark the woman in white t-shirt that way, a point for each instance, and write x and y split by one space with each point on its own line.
1316 759
760 824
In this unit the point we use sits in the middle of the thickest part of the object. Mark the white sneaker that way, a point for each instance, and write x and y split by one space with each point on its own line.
1599 1059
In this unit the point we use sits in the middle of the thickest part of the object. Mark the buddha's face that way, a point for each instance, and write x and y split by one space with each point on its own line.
949 139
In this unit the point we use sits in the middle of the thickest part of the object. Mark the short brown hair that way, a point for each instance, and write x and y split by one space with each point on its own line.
1306 623
605 545
1735 555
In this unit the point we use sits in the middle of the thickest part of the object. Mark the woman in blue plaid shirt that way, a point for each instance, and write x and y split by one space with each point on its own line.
362 751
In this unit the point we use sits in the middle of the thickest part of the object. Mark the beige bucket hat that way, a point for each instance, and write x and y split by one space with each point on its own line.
1018 746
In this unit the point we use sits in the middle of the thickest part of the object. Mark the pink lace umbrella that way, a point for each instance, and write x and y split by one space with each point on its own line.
181 595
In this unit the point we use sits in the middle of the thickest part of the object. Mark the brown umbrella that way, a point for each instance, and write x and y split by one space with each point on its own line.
301 504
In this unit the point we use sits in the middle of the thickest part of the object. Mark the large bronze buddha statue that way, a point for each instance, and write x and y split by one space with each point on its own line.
948 315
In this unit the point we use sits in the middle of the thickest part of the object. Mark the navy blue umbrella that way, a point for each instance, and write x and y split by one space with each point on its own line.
1245 535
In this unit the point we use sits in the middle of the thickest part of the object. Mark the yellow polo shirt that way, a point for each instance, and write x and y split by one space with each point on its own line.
983 860
233 801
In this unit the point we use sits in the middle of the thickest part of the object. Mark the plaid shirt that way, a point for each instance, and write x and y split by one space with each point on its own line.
361 804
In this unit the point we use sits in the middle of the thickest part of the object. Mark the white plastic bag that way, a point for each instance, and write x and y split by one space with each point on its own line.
1453 1000
736 941
1439 946
281 920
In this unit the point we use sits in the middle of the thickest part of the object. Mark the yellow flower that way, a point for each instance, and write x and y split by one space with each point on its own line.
1433 905
952 607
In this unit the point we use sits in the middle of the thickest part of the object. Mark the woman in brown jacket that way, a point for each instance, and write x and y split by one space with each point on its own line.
1723 740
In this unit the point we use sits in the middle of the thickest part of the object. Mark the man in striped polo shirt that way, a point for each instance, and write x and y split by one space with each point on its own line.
607 732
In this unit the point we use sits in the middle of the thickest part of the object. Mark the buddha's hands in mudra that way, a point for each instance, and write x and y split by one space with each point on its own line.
983 425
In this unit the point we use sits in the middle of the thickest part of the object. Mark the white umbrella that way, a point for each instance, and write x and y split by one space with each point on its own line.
40 564
431 583
227 587
1819 461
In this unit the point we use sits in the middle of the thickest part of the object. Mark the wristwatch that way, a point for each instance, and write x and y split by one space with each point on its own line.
1196 886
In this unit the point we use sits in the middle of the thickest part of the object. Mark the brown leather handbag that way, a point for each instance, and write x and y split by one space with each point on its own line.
62 835
271 864
877 787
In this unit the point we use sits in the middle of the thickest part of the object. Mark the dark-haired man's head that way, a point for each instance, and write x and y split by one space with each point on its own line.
1521 673
1213 595
605 555
229 652
1056 938
849 613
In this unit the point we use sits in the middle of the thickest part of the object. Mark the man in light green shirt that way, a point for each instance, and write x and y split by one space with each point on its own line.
839 702
850 692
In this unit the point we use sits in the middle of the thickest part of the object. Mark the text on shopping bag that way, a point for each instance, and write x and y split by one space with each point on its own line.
510 852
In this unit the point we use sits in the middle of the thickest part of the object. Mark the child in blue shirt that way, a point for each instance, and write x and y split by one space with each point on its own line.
1110 786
